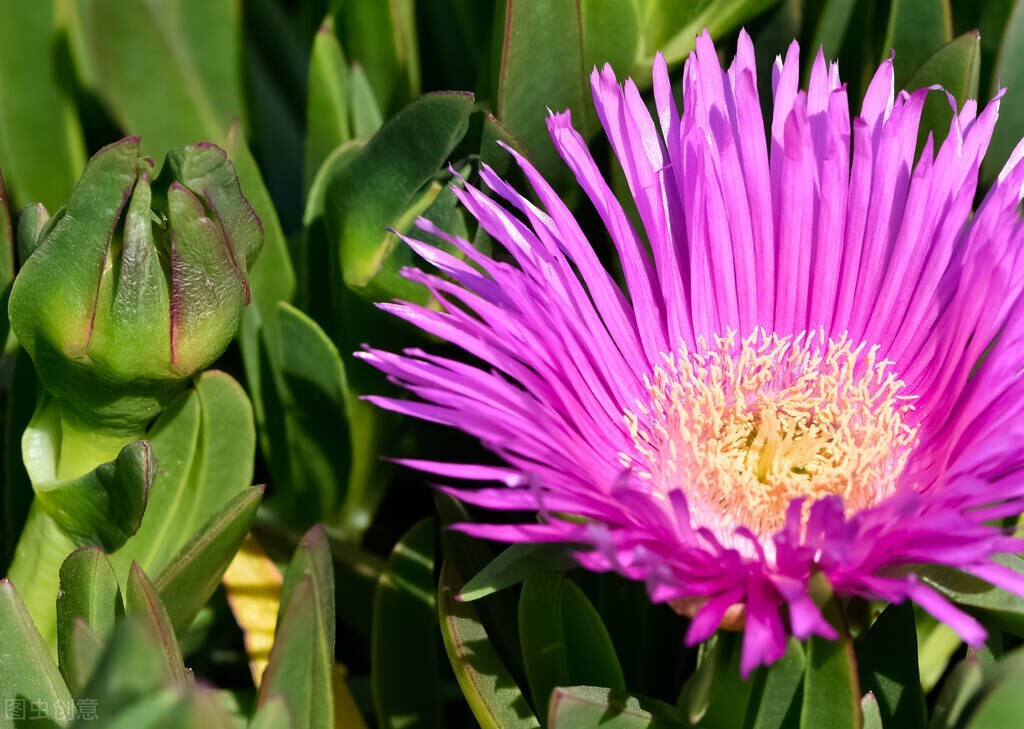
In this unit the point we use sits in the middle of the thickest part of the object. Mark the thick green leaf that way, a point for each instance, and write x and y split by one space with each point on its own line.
517 563
999 606
830 30
272 715
937 643
955 67
916 31
27 671
542 66
105 506
870 711
184 53
564 642
959 688
42 151
776 692
404 665
831 694
204 443
367 117
611 33
1008 73
491 692
134 666
83 654
316 457
887 666
194 573
141 598
576 707
327 110
88 592
149 712
202 83
381 37
1002 706
715 695
31 222
672 27
377 188
302 659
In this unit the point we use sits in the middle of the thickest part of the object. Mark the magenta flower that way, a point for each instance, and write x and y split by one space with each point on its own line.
814 366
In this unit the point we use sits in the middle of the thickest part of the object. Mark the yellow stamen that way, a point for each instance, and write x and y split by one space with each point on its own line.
745 427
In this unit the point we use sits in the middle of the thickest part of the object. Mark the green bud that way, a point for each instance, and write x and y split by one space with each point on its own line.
137 283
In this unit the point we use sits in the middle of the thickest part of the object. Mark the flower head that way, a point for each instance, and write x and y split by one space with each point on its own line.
813 365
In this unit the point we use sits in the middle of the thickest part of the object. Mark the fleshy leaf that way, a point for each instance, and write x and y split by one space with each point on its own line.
956 67
516 563
378 187
775 696
302 659
493 696
916 30
42 150
194 574
27 671
404 645
105 506
887 666
564 642
585 706
204 443
89 594
141 598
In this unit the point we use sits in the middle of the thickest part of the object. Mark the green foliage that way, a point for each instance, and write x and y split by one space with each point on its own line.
127 466
405 646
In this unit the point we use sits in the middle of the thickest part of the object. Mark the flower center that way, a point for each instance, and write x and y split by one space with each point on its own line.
744 427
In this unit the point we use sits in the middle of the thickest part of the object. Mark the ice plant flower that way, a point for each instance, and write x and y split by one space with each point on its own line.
813 366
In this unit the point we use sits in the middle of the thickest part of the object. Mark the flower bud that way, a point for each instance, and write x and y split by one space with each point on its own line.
138 282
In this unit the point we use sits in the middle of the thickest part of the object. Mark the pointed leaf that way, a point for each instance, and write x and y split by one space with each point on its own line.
515 564
493 696
887 665
81 657
205 443
89 593
327 110
42 151
870 711
272 715
831 691
1008 73
27 671
381 37
141 598
956 67
776 692
957 691
301 661
1002 607
542 66
404 670
715 695
564 642
590 706
376 188
916 30
105 506
193 575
